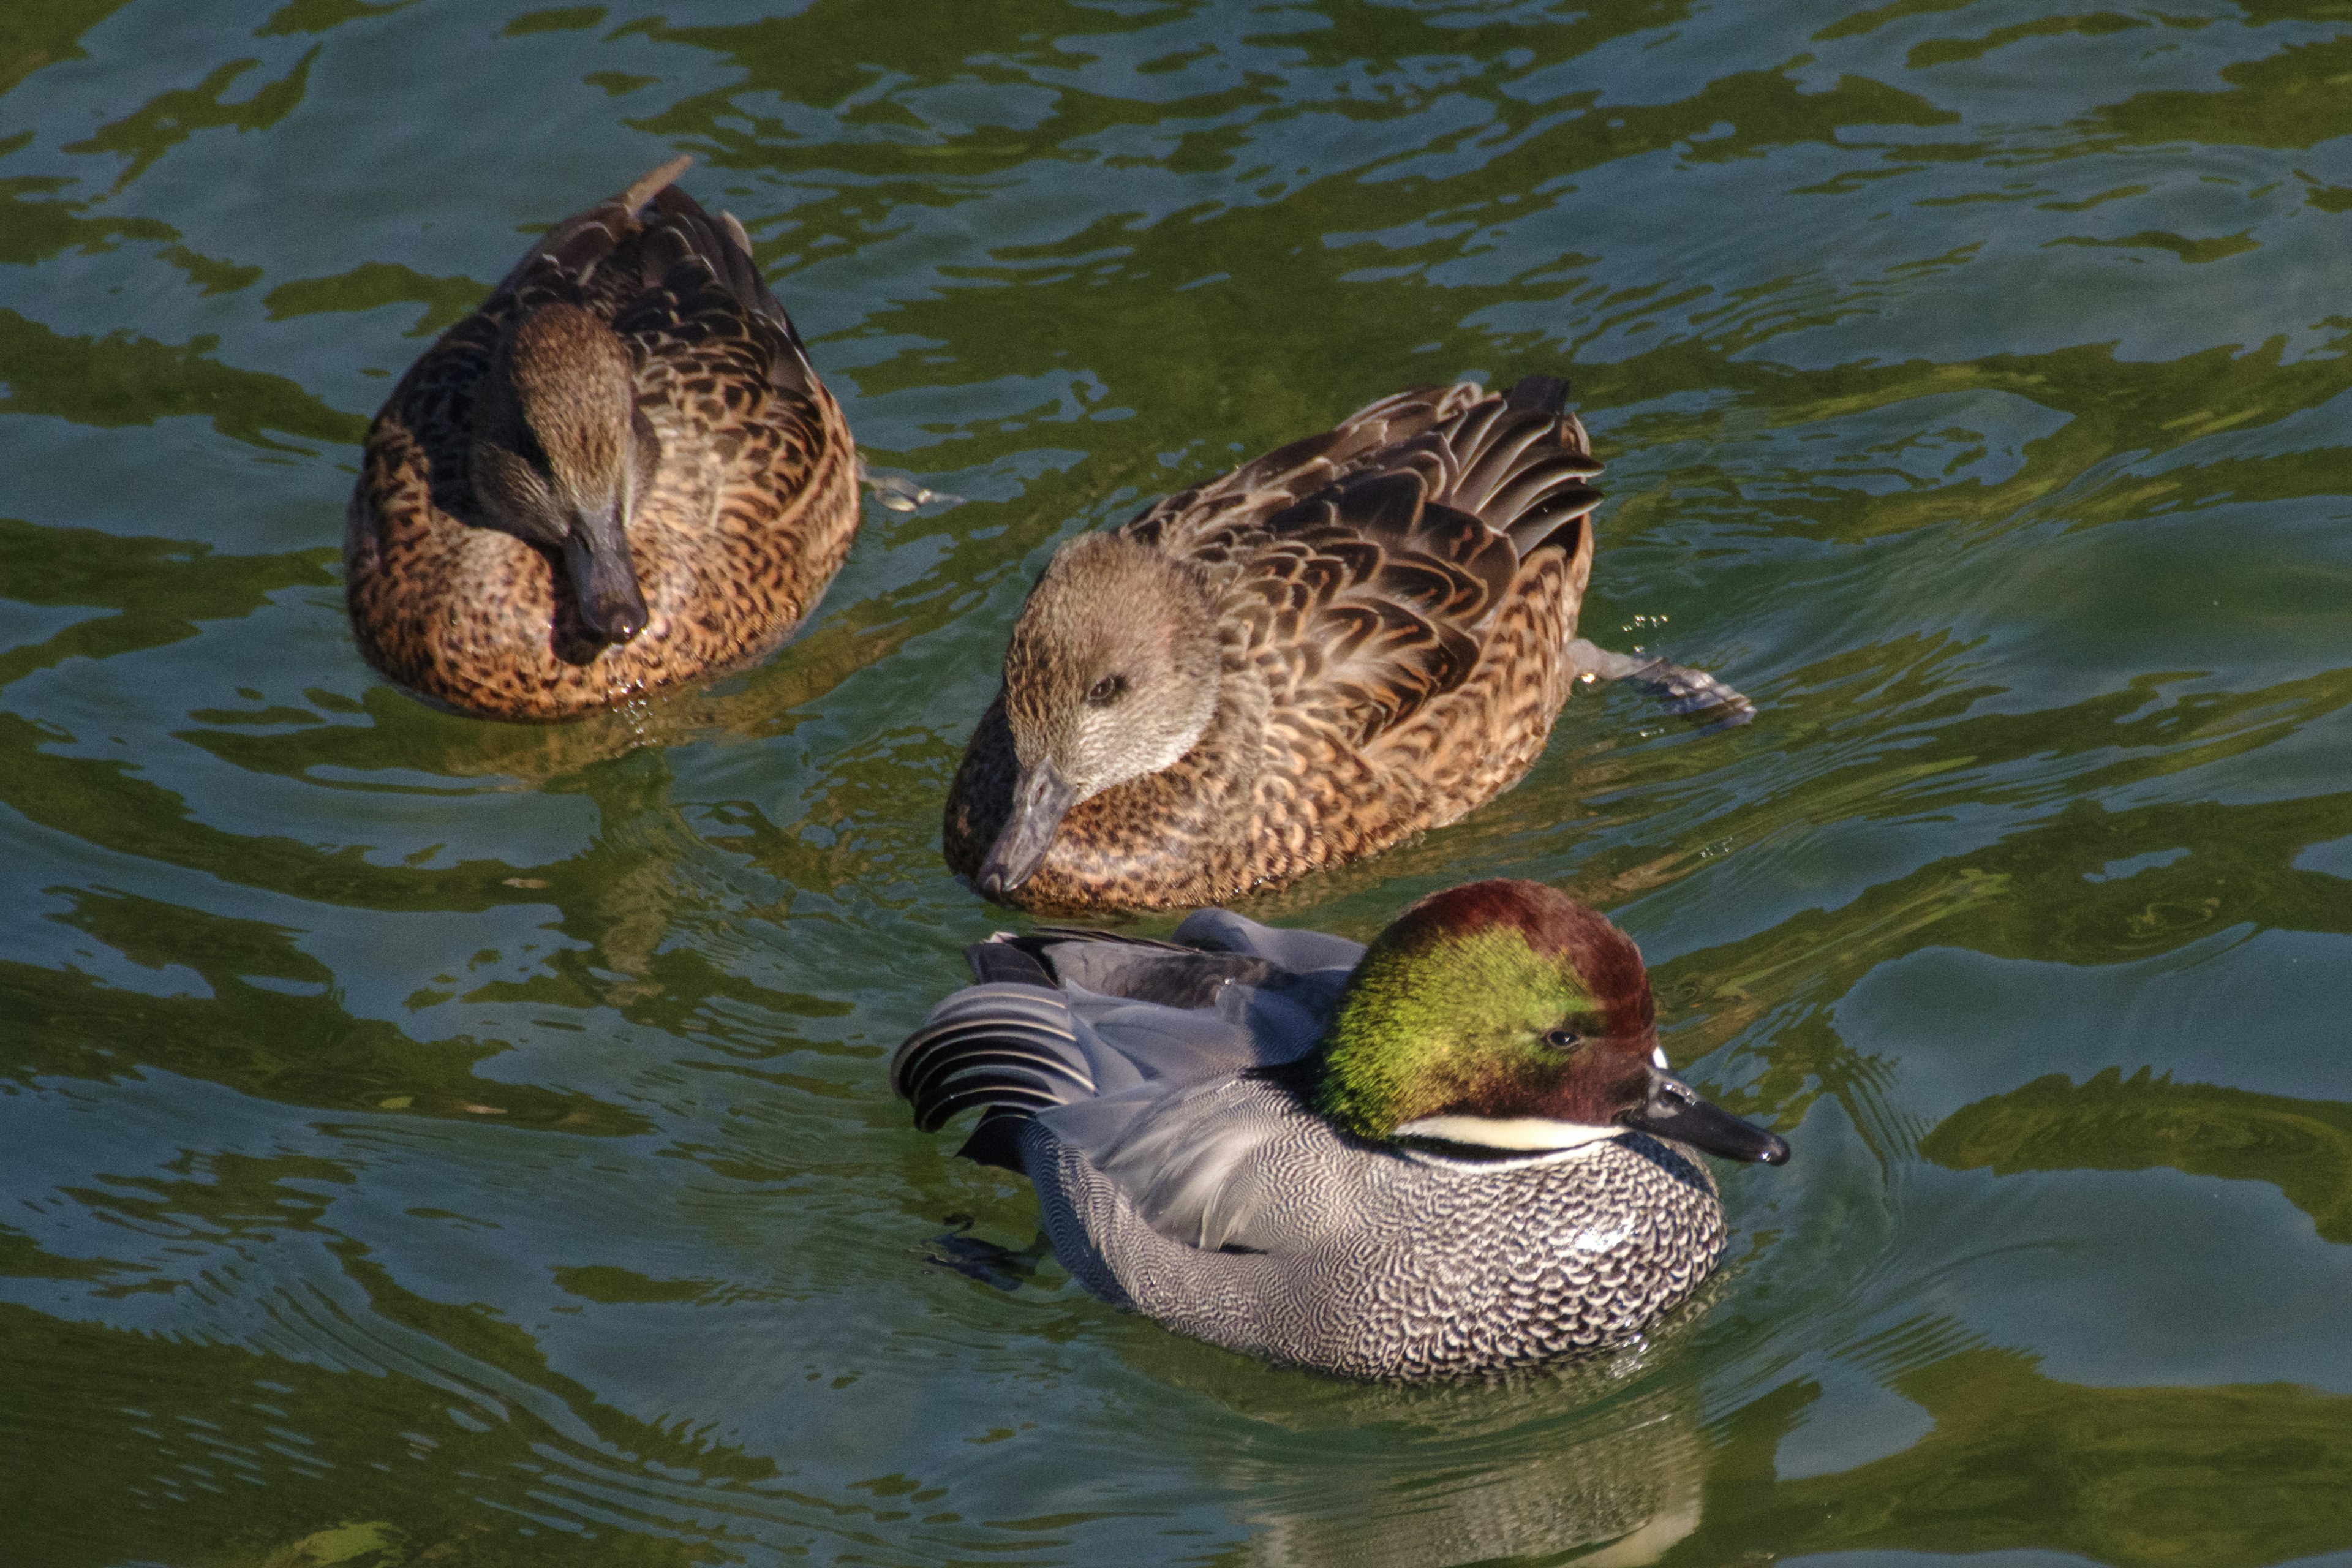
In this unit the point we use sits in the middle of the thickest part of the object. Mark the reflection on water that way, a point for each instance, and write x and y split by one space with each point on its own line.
439 1141
2114 1123
1630 1487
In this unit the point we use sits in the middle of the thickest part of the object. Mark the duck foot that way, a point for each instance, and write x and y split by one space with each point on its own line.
903 492
1690 692
999 1267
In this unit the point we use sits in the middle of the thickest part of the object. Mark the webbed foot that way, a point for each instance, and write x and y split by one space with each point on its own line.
999 1267
1693 693
903 492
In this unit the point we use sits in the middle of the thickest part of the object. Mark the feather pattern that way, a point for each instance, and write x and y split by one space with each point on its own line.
1181 1174
1393 596
746 514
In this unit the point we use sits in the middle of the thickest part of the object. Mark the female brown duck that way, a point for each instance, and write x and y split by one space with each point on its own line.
618 473
1360 636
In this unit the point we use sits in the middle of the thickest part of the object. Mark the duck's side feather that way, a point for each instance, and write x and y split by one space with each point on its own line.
1303 952
1136 1065
1365 565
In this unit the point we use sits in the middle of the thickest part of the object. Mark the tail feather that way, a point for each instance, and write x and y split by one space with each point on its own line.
1550 486
723 247
652 183
1561 526
611 254
1007 1047
1503 460
1548 392
567 256
1006 958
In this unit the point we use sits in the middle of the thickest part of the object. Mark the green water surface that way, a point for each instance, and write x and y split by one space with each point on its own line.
430 1140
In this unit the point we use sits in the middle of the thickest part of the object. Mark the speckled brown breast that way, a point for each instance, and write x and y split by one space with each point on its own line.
748 517
1307 765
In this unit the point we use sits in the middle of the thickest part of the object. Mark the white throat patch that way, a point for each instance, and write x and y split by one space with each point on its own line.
1518 1134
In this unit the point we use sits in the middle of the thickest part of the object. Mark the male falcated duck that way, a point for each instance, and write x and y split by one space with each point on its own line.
1355 638
618 473
1455 1151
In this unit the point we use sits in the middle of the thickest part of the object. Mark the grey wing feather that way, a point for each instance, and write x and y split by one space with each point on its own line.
1161 1044
1193 1166
1002 1045
1139 968
1185 1145
1300 952
1140 1055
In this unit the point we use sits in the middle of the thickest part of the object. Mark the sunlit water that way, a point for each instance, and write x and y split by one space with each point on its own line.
430 1140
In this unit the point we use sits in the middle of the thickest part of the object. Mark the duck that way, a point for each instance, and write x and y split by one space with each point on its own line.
1452 1152
1361 635
620 473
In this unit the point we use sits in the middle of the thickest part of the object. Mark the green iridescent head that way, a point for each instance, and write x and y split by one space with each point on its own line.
1504 1015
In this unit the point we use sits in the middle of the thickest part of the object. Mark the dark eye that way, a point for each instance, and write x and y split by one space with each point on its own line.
1560 1039
1106 690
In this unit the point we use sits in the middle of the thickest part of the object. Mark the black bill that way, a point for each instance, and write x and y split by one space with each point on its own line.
596 552
1040 801
1674 1110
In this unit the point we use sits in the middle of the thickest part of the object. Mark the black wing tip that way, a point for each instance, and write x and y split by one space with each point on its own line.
1005 1049
1006 957
995 1140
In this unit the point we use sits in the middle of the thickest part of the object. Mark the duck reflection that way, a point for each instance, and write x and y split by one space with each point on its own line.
1604 1459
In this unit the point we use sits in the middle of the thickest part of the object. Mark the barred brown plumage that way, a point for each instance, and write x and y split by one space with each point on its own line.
732 499
1382 614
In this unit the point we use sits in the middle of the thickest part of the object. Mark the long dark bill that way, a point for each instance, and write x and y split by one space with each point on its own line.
1040 801
597 553
1674 1110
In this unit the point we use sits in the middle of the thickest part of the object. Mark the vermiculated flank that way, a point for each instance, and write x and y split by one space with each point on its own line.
1455 1151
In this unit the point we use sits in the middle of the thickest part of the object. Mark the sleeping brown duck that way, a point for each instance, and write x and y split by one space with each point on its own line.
618 473
1355 638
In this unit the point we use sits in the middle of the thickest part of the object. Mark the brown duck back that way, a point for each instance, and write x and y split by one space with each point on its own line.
749 511
1394 597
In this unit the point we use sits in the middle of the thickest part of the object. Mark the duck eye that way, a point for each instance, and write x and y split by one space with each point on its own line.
1106 690
1560 1039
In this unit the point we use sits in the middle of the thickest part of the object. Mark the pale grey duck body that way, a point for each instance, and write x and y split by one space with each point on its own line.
1387 1264
1157 1098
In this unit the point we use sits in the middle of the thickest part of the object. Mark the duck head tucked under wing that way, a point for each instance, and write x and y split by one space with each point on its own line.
561 453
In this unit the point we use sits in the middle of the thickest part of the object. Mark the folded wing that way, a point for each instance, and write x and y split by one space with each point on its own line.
1132 1052
1368 562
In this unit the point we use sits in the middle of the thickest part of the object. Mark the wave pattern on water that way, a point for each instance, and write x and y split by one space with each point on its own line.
434 1140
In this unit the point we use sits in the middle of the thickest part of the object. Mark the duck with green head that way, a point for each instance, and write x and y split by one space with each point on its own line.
1457 1151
